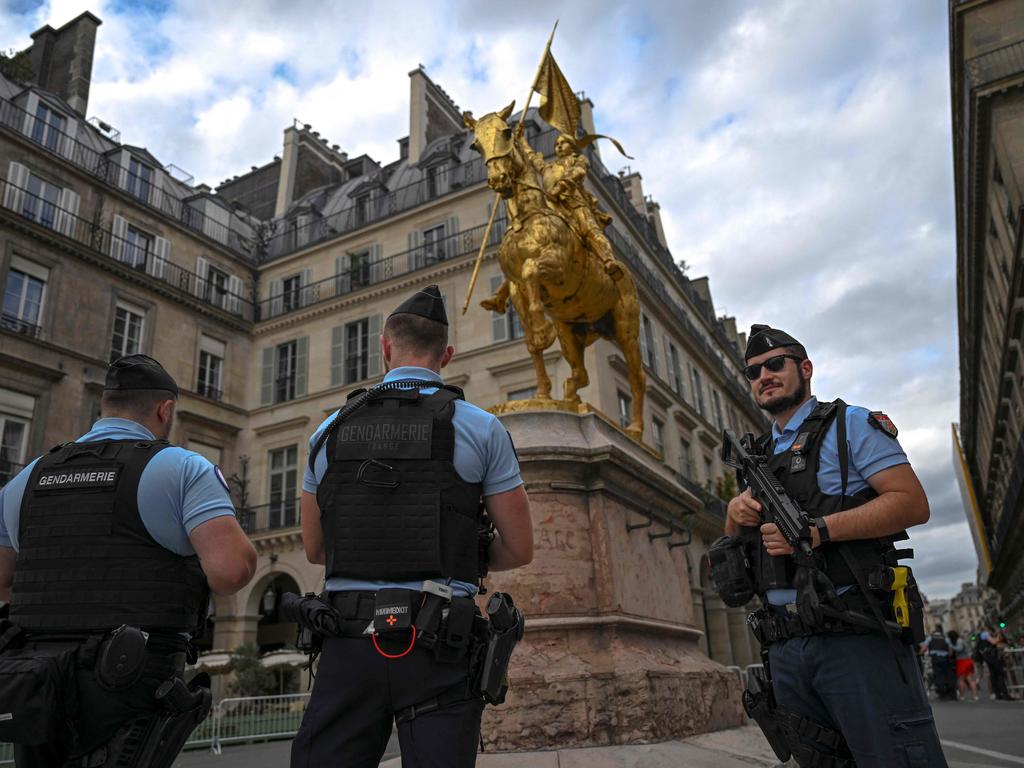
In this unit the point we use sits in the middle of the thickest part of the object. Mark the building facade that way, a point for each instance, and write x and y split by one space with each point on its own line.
987 81
264 298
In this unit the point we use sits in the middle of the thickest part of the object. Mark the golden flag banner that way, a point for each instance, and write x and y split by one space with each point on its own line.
558 103
559 106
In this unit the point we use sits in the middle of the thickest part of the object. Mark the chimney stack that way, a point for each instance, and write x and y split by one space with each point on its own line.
62 59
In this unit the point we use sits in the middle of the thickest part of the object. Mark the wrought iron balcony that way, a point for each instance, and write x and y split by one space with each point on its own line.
275 516
17 325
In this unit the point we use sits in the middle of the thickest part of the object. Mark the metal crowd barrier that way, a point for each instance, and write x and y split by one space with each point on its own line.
6 754
1014 658
253 718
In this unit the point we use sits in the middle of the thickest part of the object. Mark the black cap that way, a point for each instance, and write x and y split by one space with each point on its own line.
138 372
426 302
764 338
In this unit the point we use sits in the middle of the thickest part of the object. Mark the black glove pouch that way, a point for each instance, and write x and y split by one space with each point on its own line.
731 571
38 696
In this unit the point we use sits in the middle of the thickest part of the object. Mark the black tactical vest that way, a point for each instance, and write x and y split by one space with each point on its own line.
86 561
797 470
393 507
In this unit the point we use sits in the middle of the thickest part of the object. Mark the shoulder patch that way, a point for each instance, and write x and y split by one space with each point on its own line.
221 478
879 420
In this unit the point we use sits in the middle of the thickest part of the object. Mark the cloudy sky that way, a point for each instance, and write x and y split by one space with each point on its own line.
800 151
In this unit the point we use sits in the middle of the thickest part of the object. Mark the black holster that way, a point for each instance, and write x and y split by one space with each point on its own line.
505 627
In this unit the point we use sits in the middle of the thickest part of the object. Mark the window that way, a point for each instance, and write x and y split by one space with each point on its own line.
658 436
437 180
127 338
138 246
48 127
13 433
362 210
708 474
292 287
359 269
685 459
283 510
625 409
527 393
217 282
286 358
41 201
357 350
23 297
211 368
717 403
433 244
140 180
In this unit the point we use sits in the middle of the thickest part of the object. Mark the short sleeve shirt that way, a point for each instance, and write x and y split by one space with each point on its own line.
483 454
179 490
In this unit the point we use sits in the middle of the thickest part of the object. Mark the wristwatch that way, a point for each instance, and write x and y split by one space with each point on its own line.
822 527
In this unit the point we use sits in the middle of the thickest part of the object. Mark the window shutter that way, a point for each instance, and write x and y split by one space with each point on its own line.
30 113
373 347
67 146
337 355
14 190
305 287
499 323
276 297
202 273
380 270
123 163
235 296
118 232
267 387
452 246
342 279
157 266
301 365
655 367
67 210
415 250
443 179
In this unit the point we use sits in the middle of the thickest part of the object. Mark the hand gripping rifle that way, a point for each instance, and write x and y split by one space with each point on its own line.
795 525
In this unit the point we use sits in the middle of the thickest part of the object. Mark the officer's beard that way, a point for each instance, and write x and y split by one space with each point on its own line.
785 402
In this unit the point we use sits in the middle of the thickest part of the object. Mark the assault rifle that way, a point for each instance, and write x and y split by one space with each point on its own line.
777 506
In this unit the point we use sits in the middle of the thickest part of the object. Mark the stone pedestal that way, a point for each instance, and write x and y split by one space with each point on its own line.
611 650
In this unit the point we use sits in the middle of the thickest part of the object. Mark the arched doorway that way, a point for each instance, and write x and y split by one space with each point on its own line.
272 632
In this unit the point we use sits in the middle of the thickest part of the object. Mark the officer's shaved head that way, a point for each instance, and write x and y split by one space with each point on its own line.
416 337
135 404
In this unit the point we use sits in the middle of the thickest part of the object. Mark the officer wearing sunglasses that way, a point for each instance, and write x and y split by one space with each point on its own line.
835 684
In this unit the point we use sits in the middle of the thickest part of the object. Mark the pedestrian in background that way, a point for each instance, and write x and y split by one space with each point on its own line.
964 666
990 654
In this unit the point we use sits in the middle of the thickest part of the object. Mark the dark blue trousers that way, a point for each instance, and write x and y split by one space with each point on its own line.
851 683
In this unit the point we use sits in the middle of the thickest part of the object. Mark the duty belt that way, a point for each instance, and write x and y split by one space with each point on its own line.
774 624
355 611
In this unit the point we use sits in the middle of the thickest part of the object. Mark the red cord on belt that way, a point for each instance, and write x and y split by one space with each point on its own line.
394 655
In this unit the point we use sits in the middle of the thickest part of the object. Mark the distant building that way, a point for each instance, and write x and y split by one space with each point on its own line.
973 608
264 298
987 80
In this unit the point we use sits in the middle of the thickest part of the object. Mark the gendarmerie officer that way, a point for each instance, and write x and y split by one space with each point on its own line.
391 505
833 679
109 548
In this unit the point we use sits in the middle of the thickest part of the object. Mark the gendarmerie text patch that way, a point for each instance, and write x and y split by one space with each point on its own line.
79 478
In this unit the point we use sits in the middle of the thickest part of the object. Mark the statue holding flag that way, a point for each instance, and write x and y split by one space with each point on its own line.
561 275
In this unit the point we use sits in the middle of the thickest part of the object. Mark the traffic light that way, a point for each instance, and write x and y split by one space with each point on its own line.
1002 625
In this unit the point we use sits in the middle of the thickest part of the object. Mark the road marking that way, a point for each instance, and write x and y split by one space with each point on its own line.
986 752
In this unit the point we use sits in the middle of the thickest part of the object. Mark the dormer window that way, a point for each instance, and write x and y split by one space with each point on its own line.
437 180
140 180
362 209
48 127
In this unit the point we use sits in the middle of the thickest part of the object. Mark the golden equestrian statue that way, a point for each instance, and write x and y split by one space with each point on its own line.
560 274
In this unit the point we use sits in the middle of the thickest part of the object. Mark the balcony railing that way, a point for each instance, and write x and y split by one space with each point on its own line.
366 274
17 325
106 168
205 390
274 516
104 243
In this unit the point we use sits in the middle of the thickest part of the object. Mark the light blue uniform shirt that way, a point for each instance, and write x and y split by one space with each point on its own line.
870 451
483 454
178 490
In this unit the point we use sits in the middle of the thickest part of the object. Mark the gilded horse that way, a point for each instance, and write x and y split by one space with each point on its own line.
557 286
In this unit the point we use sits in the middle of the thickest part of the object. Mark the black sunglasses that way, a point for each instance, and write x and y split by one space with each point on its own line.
773 364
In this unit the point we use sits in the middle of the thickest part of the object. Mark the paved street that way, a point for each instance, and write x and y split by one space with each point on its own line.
986 733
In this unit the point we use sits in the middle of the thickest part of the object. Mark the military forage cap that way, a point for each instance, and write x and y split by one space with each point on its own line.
425 303
138 372
764 338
